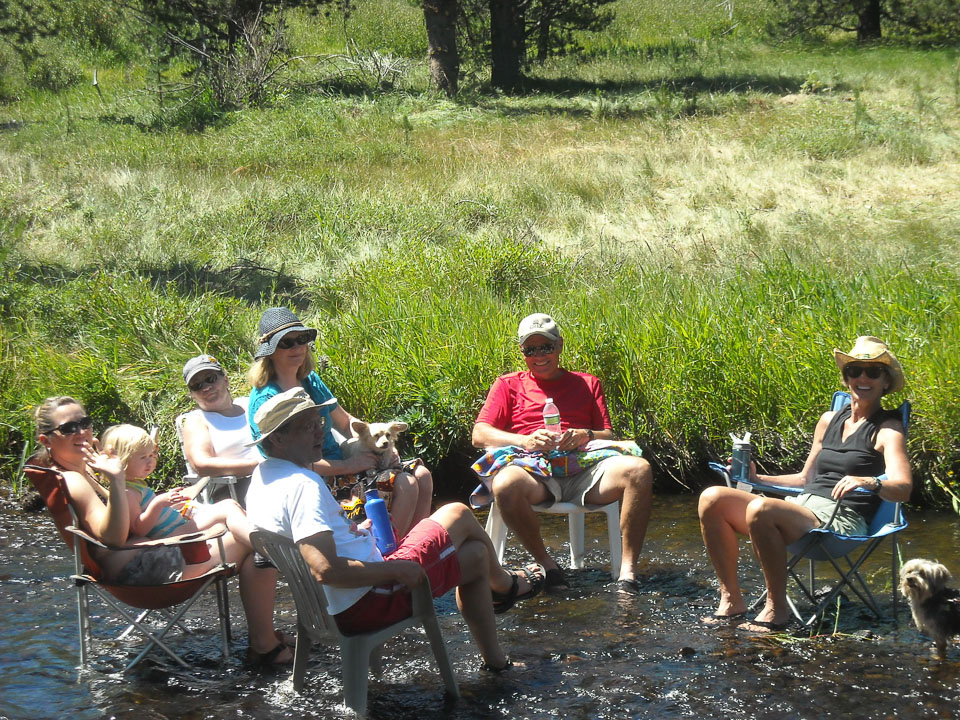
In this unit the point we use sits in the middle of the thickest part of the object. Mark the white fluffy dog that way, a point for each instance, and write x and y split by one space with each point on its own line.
378 438
935 607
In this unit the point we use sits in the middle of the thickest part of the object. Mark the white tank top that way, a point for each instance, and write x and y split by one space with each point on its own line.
228 434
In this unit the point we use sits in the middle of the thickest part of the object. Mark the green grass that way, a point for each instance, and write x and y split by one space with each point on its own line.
707 214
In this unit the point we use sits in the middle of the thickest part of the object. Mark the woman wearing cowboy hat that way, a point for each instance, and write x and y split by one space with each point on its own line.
851 448
283 361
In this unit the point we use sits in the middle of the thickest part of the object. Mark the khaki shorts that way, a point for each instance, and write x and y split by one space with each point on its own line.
847 521
573 488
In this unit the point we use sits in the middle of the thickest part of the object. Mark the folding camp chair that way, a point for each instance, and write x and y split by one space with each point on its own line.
191 476
146 600
824 545
313 622
497 529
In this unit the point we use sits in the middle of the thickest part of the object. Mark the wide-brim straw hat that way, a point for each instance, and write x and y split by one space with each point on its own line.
869 349
274 324
282 408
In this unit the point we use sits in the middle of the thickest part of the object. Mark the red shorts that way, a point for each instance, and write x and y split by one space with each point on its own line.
427 544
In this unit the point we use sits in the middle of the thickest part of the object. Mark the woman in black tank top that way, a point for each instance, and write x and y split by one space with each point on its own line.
851 448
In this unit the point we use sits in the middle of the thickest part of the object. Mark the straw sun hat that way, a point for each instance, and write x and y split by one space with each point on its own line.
282 408
869 349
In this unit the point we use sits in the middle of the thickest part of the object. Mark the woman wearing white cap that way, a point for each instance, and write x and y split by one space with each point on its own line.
851 448
283 361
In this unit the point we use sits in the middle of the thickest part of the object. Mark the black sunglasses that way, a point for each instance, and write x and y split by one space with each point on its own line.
537 350
287 342
74 426
872 371
203 382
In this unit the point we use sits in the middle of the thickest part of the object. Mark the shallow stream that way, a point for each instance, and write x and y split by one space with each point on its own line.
589 654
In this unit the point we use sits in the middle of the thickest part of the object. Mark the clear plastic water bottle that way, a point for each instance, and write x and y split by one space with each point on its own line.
551 417
740 467
376 510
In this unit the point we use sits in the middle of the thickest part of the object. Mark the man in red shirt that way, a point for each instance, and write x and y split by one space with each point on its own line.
513 415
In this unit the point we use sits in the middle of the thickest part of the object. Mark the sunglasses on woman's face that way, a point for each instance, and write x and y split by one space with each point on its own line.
872 371
74 426
537 350
287 342
203 382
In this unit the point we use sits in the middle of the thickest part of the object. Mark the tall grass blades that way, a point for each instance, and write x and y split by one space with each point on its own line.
707 214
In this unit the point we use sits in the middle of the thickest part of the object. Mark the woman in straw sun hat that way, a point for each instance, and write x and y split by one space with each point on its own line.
283 360
851 448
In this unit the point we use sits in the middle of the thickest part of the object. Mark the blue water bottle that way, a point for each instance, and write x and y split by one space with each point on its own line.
376 510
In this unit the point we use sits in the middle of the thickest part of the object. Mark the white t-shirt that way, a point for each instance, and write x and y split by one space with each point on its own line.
294 501
228 435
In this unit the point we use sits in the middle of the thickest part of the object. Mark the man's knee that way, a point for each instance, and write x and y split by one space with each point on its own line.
452 513
635 474
514 485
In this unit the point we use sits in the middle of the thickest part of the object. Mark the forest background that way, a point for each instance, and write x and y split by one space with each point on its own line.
708 197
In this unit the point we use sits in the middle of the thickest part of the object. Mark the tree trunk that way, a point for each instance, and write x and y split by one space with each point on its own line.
508 46
868 21
543 40
441 20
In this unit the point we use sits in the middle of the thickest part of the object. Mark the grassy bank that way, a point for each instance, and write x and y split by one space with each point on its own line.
708 217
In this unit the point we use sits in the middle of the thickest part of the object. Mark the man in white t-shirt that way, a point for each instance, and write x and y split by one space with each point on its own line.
364 590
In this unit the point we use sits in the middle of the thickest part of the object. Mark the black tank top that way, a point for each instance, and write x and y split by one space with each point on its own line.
855 456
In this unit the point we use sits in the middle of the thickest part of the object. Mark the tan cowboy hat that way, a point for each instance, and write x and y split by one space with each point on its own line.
283 407
869 349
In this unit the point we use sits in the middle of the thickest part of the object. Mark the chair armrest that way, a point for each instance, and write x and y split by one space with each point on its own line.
758 486
212 533
422 597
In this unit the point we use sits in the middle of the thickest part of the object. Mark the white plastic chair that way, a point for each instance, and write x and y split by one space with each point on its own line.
313 623
497 530
192 476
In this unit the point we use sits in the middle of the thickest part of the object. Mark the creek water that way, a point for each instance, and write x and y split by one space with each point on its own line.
587 654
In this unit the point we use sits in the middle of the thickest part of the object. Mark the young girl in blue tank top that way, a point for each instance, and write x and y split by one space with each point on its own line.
158 515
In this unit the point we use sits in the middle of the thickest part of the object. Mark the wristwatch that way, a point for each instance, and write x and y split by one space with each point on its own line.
877 484
590 435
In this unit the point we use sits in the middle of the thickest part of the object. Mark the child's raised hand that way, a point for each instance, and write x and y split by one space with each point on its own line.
103 463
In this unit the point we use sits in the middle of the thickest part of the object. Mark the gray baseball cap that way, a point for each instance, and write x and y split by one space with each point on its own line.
537 324
198 363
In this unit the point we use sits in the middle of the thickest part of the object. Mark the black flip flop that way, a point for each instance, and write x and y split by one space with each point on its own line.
771 627
716 620
627 586
268 660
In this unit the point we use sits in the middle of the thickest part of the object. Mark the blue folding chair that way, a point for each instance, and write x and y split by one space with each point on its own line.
824 545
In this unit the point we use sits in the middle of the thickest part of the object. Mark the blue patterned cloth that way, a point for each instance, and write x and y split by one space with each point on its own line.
538 464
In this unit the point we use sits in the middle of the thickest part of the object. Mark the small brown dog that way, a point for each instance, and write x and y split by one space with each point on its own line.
935 607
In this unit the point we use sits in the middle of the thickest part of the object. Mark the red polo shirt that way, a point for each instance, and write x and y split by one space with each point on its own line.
515 402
